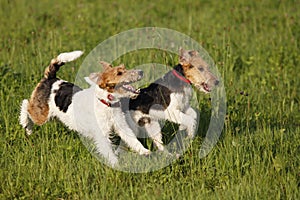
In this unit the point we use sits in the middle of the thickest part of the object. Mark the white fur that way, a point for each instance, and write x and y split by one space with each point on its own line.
89 116
69 56
25 121
89 81
179 111
92 119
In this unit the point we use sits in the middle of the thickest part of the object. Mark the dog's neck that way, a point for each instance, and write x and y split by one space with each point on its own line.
107 98
178 72
109 104
175 80
180 76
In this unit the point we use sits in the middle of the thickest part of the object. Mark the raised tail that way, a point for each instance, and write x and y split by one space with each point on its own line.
60 60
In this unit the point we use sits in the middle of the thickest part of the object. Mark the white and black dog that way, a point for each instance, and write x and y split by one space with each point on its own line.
94 112
168 98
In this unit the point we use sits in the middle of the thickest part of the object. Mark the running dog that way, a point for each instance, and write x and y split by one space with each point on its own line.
94 112
168 98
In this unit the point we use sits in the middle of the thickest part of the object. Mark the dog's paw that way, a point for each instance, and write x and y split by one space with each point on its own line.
182 127
159 146
145 152
113 161
28 131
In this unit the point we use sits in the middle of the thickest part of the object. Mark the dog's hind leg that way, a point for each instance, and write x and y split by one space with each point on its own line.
25 120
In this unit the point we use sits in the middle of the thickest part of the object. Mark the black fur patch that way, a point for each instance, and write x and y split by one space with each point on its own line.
154 94
157 94
64 94
172 82
44 88
53 68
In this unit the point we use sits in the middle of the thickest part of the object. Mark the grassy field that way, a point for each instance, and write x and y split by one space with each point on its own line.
256 47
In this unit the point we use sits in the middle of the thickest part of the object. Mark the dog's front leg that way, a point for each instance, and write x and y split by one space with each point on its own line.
128 136
154 131
192 113
104 146
183 119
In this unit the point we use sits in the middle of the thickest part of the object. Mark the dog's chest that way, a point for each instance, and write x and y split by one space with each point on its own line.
180 101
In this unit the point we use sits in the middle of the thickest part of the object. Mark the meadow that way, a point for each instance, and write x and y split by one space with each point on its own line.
255 45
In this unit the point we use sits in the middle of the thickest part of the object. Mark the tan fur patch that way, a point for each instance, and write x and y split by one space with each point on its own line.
111 76
50 71
197 70
38 107
116 79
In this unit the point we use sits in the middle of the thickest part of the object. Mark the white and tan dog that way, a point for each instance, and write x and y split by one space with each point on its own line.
168 98
94 112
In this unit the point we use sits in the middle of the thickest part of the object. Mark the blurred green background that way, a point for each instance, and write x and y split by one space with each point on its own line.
255 45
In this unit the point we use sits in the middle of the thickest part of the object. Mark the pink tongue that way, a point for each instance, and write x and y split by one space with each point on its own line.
130 88
205 86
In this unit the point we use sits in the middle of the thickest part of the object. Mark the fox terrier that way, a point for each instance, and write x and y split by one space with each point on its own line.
93 112
168 98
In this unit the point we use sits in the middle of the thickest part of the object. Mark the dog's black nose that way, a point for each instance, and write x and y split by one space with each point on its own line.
217 82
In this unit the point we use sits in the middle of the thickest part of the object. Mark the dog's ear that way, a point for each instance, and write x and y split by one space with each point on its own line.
99 79
105 65
94 77
193 53
184 57
122 66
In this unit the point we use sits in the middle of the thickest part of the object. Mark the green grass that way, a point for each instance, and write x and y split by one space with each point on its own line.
256 47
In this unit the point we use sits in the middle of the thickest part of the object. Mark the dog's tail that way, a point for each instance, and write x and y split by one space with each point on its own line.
60 60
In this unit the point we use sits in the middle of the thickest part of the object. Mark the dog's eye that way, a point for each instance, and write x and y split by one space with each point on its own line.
119 73
191 66
201 69
110 85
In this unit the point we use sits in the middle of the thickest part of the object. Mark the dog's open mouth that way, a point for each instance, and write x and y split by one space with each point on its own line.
130 88
205 87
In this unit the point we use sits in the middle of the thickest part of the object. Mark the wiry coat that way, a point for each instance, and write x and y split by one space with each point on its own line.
94 112
168 98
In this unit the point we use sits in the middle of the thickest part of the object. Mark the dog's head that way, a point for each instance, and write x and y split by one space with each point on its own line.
117 80
197 71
